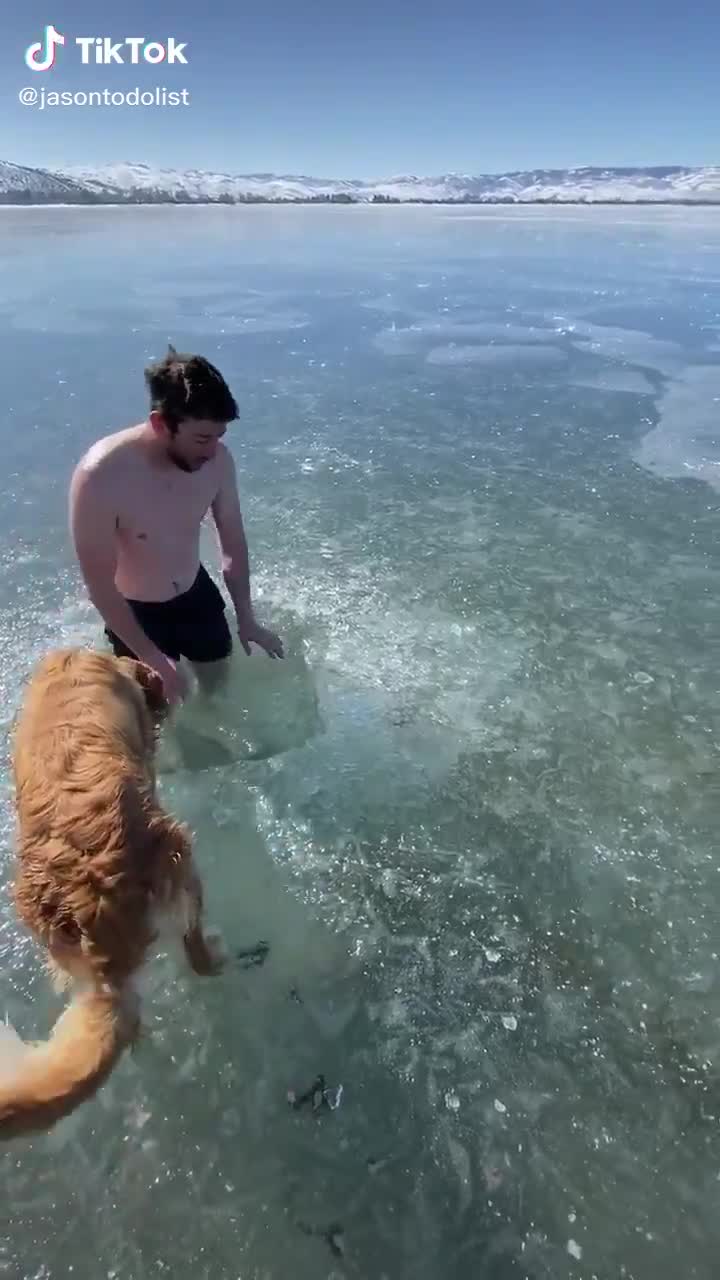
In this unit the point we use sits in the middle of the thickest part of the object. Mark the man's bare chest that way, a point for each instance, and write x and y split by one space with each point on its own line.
153 508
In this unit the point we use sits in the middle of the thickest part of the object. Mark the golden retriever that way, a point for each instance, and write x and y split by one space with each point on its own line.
99 864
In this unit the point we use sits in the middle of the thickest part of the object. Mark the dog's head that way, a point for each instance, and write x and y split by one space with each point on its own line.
150 683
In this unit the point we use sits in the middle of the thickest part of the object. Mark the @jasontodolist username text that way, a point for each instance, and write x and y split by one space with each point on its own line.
157 97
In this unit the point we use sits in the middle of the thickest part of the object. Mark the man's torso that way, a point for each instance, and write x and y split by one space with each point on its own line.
159 513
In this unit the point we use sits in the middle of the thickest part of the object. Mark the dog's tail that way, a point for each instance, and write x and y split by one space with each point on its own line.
42 1083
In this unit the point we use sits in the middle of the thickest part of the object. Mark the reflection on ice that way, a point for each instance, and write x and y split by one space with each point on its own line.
685 444
507 357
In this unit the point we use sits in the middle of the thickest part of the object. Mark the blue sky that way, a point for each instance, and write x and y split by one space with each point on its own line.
377 88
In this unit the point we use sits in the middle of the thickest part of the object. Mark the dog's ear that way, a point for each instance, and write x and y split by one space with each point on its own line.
150 683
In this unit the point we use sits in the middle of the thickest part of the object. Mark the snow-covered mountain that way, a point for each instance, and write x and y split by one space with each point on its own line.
21 185
144 184
138 180
142 180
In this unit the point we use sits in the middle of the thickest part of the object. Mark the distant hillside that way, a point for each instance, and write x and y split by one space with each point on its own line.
131 183
20 185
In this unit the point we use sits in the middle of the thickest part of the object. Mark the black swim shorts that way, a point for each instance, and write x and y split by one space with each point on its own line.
192 625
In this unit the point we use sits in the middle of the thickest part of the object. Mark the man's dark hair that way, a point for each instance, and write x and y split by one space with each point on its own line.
188 386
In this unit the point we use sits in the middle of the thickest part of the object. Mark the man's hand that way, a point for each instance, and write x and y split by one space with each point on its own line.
176 686
250 632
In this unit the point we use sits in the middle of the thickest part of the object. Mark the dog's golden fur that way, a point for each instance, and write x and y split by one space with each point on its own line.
99 862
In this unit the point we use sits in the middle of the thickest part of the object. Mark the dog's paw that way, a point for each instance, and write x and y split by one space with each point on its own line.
216 947
206 952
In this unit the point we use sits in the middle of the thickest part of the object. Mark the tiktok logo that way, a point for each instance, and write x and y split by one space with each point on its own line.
41 56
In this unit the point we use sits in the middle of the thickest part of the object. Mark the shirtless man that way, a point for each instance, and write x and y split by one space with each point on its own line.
137 502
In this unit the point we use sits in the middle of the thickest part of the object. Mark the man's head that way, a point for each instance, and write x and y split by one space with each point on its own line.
190 407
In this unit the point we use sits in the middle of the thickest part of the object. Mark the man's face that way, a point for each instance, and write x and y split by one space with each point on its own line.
193 444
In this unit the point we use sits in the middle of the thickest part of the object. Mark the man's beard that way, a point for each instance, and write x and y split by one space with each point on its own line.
180 461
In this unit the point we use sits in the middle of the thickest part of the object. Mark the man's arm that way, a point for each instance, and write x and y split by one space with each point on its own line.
92 528
235 559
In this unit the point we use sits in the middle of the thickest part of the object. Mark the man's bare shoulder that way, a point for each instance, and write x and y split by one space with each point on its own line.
225 464
110 453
